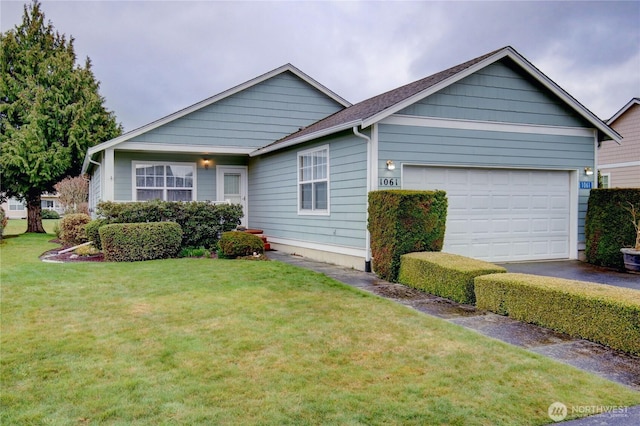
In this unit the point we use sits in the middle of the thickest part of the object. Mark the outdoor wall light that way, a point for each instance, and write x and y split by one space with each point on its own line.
206 163
588 171
390 165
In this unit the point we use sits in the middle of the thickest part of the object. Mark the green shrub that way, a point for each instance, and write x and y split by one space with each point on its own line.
91 230
403 222
201 222
3 222
50 214
72 228
443 274
88 250
597 312
129 242
608 226
56 229
237 244
194 252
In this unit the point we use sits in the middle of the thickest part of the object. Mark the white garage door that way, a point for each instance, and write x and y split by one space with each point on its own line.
501 215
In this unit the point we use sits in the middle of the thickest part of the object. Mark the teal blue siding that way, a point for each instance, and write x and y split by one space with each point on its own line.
251 118
205 180
499 93
437 146
273 202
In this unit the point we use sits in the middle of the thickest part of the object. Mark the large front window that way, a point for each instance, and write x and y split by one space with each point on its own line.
168 182
313 181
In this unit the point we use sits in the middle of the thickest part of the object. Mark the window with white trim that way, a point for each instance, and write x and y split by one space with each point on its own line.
163 181
15 205
606 180
313 181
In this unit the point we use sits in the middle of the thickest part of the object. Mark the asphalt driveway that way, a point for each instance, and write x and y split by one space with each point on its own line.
576 270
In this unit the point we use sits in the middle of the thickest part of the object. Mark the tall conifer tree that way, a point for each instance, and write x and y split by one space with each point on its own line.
51 111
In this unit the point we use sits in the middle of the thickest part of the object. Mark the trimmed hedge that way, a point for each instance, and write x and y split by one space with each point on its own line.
92 228
608 226
130 242
444 274
238 244
402 221
597 312
201 222
72 228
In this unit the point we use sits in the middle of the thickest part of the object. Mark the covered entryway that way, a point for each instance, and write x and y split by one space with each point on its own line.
501 214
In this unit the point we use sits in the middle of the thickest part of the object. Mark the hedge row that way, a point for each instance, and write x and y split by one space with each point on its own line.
608 226
200 221
129 242
445 275
402 221
597 312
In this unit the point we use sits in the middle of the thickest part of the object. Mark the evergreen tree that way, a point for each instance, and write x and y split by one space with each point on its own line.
51 111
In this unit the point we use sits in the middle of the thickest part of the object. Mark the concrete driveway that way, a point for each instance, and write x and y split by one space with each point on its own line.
576 270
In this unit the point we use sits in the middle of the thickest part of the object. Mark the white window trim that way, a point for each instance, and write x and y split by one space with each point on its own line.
16 206
134 188
608 176
312 211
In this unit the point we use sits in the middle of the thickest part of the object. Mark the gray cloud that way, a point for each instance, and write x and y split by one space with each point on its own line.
155 57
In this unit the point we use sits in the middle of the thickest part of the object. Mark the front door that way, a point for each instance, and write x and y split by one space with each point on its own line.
232 187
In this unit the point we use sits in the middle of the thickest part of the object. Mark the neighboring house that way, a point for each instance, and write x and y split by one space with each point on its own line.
18 210
510 147
619 164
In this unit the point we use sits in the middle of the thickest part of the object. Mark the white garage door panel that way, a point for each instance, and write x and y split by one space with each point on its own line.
501 215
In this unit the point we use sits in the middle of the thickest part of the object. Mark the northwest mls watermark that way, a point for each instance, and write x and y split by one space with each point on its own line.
558 411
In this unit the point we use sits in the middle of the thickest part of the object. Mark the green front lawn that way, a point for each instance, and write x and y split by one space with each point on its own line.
201 341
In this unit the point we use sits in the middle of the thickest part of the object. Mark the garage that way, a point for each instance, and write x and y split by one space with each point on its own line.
501 215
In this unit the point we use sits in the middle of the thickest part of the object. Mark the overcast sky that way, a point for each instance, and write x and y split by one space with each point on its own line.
156 57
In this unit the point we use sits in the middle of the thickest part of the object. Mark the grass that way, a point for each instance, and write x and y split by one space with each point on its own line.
202 341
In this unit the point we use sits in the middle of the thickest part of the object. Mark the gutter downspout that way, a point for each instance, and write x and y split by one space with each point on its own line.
367 259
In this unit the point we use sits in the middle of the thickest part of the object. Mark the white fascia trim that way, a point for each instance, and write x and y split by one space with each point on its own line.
435 88
349 251
562 94
211 100
634 101
489 126
619 165
485 166
525 65
305 138
201 149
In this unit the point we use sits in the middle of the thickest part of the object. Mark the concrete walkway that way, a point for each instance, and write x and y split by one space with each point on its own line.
592 357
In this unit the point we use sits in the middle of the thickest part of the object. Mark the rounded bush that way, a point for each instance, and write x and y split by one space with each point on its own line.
237 244
50 214
72 228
